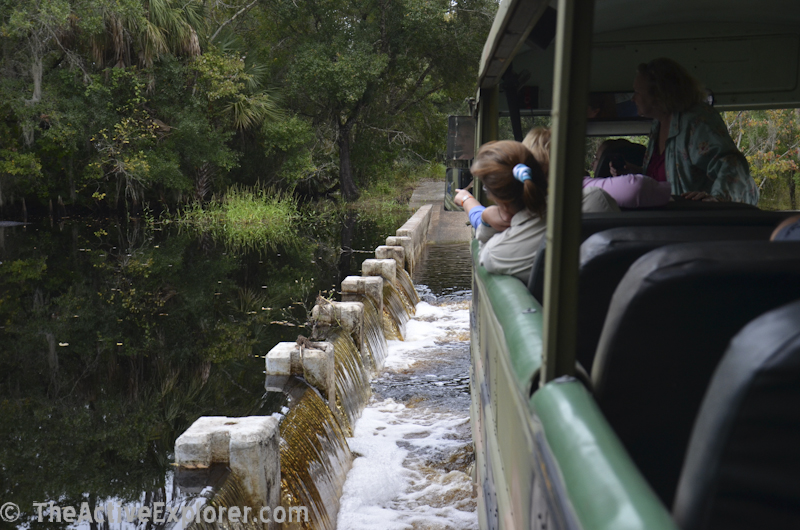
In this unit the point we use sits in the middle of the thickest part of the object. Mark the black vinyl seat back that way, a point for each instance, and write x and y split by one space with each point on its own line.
742 468
685 213
668 324
606 257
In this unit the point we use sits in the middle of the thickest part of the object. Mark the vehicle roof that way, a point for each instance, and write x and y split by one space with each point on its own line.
746 52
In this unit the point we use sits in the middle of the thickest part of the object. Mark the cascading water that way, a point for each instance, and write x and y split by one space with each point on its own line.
373 333
413 441
231 494
407 291
395 313
315 457
352 379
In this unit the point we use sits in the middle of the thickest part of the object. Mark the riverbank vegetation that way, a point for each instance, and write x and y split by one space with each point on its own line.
245 218
770 139
118 106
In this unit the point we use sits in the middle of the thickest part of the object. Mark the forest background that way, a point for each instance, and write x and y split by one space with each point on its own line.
116 104
120 104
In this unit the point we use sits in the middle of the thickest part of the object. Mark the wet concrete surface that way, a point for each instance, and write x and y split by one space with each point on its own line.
446 227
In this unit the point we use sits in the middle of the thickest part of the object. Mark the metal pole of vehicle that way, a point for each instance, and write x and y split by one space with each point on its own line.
570 90
487 126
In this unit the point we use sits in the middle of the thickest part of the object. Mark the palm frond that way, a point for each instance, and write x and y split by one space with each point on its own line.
253 110
256 72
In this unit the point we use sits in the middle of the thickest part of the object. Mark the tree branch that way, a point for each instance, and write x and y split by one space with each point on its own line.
420 81
242 10
75 60
421 98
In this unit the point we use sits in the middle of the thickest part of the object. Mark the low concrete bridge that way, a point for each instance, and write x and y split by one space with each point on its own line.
445 227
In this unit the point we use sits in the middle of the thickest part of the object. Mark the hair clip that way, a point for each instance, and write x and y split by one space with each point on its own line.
521 172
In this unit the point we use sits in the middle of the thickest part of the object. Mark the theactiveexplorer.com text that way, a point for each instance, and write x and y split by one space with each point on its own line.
161 513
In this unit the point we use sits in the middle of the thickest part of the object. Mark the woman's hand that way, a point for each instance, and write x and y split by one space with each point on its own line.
496 218
461 196
699 196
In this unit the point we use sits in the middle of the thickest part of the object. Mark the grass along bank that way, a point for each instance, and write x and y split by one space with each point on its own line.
246 218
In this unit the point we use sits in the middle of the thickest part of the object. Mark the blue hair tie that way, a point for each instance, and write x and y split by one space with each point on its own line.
521 172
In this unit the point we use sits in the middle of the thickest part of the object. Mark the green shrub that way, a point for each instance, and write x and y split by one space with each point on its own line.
246 218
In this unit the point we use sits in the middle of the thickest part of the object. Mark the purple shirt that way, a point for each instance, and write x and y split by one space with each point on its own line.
633 191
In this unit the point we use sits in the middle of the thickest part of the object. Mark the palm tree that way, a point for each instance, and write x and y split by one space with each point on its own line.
141 38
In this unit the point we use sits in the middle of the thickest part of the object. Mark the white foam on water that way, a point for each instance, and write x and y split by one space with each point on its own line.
391 487
394 483
428 328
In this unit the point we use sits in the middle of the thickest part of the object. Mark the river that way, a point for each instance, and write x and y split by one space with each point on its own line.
413 441
115 337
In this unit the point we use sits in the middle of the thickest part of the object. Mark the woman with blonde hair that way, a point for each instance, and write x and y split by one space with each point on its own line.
689 145
538 141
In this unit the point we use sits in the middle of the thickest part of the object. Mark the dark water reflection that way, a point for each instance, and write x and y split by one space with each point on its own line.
115 337
445 273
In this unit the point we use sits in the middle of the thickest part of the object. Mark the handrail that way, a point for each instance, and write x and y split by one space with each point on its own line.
604 487
520 317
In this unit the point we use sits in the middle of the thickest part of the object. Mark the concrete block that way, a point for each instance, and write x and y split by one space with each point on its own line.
249 446
354 288
347 315
314 361
416 232
408 250
279 359
385 268
318 367
417 227
397 253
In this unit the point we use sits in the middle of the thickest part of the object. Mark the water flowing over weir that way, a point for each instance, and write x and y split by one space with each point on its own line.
407 291
413 438
395 311
352 380
314 458
374 338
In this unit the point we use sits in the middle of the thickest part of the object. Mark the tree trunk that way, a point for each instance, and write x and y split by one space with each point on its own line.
204 177
36 74
349 188
348 228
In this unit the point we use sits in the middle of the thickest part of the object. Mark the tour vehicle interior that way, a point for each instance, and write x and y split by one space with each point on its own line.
687 316
668 324
732 467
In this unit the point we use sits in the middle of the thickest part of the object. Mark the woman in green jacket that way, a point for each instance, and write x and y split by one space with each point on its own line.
689 146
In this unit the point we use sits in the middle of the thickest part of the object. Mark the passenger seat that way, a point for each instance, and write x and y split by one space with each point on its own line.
668 325
606 257
742 468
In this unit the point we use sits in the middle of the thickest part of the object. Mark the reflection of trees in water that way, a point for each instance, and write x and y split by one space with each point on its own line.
114 339
348 227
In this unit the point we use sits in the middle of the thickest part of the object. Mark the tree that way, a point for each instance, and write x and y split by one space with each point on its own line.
130 101
770 140
362 63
